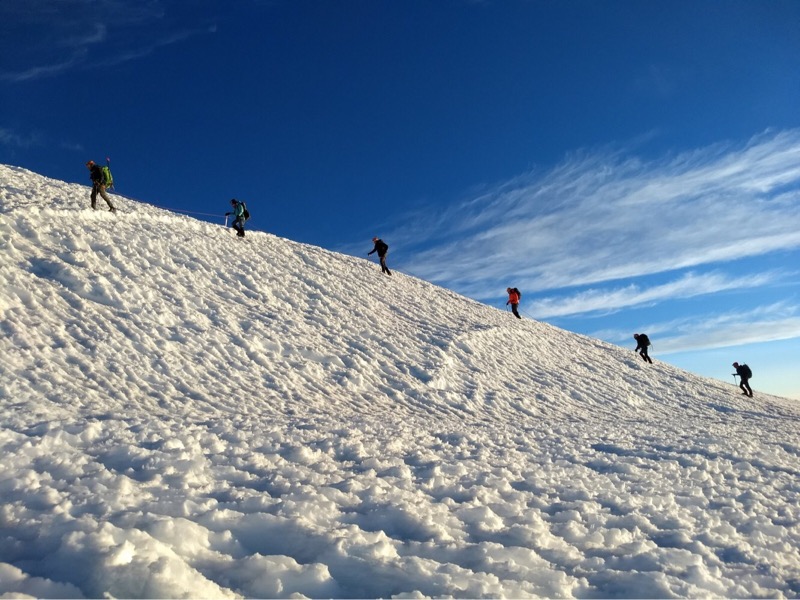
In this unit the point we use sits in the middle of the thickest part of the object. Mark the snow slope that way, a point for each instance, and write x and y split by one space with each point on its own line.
187 414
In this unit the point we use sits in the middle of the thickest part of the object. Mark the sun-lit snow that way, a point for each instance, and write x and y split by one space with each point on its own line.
185 413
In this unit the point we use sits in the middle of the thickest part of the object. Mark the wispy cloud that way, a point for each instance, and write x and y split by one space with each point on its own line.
151 47
15 140
50 37
77 58
777 321
688 286
607 216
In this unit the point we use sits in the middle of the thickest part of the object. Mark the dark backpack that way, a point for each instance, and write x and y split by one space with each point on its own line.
517 292
746 372
246 213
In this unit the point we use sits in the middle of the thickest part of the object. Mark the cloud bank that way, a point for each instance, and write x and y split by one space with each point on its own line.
606 216
687 286
773 322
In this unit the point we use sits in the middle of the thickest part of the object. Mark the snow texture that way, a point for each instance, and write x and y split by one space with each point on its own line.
188 414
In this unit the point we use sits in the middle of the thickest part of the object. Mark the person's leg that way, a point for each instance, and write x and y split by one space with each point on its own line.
384 268
514 310
94 195
102 191
746 384
237 225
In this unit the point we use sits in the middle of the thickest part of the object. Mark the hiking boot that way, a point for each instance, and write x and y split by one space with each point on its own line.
112 209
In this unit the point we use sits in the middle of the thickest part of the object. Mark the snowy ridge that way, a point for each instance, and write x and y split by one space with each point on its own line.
189 414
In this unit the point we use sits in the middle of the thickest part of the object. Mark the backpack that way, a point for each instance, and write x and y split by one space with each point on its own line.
746 372
517 292
246 213
108 178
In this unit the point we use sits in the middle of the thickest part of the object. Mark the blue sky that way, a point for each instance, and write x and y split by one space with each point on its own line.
630 166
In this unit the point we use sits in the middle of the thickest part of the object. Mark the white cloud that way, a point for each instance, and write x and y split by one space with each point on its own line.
13 139
605 216
77 58
99 34
687 286
94 34
734 334
777 321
